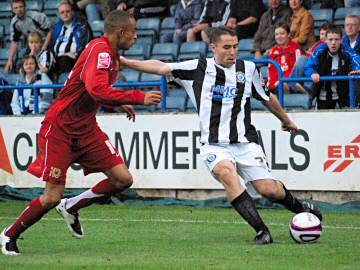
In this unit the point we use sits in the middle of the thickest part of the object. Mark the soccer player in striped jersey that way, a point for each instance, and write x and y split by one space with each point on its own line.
221 88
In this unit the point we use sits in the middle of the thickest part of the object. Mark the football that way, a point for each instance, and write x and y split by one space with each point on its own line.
305 228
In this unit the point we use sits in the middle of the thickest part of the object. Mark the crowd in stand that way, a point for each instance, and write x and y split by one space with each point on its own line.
282 31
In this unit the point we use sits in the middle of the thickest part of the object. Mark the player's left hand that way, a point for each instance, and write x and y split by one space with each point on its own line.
130 112
290 126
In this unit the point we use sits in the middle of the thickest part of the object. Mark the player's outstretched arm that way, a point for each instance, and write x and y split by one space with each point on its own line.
149 66
152 97
274 106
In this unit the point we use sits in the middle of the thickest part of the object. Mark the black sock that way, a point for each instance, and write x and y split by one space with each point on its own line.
291 202
245 206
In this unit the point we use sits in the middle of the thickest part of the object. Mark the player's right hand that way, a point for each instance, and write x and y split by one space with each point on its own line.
152 97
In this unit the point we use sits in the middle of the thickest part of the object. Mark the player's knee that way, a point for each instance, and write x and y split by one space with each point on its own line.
223 173
49 201
122 182
269 191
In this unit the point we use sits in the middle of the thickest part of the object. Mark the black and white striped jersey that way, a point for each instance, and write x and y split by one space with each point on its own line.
222 98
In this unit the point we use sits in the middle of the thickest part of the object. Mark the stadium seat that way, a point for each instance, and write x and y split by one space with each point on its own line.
63 77
34 5
131 75
173 9
321 16
256 105
51 7
340 13
176 92
192 50
167 25
97 28
189 107
12 78
244 48
138 51
145 40
296 101
4 54
5 10
173 104
148 27
145 77
210 54
165 51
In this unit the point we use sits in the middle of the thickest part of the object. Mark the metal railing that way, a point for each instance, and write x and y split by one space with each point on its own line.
36 87
282 79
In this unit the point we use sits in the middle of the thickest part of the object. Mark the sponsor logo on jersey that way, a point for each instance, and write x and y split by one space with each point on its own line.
104 60
223 92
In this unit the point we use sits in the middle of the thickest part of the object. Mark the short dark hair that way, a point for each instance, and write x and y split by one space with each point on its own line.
333 29
215 33
115 20
326 25
283 25
25 58
18 1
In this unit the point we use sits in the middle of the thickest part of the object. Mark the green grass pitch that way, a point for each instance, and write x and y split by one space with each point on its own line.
136 237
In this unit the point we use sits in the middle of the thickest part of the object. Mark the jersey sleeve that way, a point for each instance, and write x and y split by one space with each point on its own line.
258 87
96 75
184 70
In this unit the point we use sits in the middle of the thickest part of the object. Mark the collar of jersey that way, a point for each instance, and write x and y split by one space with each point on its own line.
116 54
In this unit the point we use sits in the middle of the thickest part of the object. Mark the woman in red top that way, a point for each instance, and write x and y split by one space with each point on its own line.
285 52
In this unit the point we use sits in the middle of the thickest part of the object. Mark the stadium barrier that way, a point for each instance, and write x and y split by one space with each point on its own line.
282 79
161 83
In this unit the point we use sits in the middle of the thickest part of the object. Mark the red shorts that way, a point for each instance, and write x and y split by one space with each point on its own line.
57 151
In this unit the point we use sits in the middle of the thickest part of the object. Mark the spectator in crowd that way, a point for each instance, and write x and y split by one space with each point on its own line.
31 75
96 9
351 41
215 13
22 24
351 3
68 40
187 15
285 52
302 25
245 16
45 58
335 59
145 8
5 97
264 36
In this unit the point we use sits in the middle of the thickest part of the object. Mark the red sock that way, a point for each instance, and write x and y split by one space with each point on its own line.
33 213
96 194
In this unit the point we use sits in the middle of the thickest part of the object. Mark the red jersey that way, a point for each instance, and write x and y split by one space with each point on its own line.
313 48
88 86
287 58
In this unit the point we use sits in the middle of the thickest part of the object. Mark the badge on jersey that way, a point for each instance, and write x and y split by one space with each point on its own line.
240 77
104 60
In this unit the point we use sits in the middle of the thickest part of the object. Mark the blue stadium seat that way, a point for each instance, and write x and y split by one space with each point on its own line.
167 25
210 53
340 13
4 54
138 51
12 78
192 50
173 9
165 51
321 16
34 5
51 7
131 75
145 77
256 105
173 104
148 27
296 101
97 28
63 77
176 92
145 40
244 47
5 10
189 107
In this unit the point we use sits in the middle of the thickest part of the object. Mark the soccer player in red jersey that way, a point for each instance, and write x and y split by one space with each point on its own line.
69 132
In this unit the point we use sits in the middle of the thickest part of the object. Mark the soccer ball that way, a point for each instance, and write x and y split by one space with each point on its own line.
305 228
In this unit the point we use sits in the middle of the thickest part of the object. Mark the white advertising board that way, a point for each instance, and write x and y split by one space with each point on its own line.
162 151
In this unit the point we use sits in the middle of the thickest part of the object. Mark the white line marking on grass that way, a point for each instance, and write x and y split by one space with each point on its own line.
190 221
